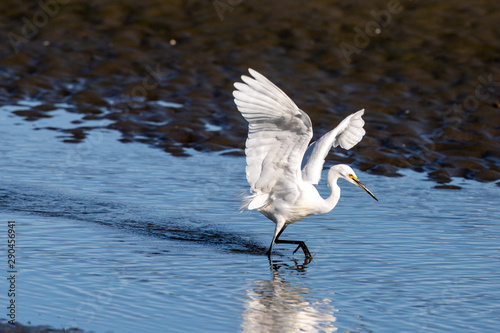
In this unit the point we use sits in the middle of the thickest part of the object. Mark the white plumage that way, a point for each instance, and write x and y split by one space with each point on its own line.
281 169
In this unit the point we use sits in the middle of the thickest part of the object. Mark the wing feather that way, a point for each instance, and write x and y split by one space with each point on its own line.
346 135
278 135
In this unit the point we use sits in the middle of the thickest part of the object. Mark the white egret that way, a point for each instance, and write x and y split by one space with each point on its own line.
282 169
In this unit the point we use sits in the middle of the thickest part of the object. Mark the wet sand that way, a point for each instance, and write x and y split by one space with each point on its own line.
427 73
19 328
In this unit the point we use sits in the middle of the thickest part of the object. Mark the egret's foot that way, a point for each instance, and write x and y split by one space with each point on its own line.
301 245
304 248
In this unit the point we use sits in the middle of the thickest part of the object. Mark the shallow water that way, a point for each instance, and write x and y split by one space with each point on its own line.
125 238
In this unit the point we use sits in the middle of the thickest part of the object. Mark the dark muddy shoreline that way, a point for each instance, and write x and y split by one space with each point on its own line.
19 328
426 72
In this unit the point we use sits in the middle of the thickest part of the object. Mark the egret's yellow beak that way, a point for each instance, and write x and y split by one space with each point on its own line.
360 184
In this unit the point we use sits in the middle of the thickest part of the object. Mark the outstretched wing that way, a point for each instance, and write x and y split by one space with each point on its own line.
278 135
346 135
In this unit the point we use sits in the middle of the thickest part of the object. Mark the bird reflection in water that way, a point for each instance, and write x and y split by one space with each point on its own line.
278 305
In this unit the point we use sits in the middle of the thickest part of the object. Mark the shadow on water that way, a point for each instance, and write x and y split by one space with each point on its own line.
279 305
172 225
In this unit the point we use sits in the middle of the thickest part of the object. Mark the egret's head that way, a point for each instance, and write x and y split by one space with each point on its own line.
346 172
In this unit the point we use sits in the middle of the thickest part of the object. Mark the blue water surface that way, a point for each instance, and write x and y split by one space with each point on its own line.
114 237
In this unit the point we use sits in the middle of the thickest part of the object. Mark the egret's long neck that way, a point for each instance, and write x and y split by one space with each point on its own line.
334 197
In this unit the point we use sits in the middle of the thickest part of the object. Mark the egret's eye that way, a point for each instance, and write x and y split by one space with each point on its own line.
352 176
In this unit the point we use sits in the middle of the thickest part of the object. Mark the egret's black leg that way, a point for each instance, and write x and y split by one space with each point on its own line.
300 244
274 239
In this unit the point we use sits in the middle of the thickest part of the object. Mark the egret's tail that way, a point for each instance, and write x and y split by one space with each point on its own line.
255 201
